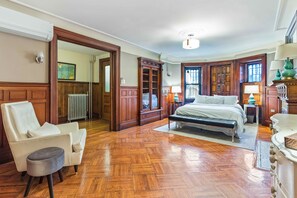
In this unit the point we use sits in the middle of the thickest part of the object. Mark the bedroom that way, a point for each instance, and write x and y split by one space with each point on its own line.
139 168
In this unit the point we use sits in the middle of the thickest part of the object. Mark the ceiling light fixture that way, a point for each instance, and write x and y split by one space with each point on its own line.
191 42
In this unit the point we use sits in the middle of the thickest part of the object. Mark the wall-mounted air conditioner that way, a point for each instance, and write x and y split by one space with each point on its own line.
21 24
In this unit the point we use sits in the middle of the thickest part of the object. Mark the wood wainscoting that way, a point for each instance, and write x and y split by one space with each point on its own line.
37 93
75 87
129 114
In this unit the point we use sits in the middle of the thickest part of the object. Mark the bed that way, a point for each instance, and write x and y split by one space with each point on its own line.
216 108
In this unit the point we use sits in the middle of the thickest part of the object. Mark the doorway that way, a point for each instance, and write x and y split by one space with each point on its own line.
81 83
65 35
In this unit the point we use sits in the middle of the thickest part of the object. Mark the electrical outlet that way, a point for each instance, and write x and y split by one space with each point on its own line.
272 110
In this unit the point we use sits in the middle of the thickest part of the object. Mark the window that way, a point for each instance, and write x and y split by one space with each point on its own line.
254 71
192 83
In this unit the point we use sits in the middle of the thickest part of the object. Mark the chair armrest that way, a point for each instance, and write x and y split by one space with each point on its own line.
21 149
68 127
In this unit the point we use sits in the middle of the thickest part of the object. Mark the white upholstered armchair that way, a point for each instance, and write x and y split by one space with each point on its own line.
25 135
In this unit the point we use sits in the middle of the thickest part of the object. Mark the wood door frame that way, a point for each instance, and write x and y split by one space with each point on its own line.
68 36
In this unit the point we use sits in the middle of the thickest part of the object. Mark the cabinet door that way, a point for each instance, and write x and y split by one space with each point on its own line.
155 89
146 89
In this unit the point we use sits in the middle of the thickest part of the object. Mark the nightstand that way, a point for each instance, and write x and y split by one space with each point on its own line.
245 106
174 106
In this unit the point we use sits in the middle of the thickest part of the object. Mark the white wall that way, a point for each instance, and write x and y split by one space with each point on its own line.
82 62
171 74
129 69
270 74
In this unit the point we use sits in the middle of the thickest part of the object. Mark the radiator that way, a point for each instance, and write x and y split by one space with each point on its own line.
77 106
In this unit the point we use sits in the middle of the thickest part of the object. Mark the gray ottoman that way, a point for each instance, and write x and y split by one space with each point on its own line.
45 162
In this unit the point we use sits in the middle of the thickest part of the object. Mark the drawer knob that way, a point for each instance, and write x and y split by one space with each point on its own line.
271 146
272 152
272 159
272 167
273 190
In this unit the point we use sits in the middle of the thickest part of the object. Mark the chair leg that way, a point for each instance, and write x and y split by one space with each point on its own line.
75 168
23 174
28 186
60 175
40 180
50 185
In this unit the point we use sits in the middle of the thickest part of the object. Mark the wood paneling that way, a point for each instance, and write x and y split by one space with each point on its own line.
141 162
129 107
221 79
75 87
36 93
273 104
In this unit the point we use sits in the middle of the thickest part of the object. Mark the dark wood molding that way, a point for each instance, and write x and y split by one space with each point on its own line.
68 36
37 93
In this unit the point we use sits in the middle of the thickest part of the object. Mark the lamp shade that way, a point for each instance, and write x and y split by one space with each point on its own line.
251 89
275 65
191 43
175 89
285 51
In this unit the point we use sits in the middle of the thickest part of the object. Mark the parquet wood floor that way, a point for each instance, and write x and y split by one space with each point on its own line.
140 162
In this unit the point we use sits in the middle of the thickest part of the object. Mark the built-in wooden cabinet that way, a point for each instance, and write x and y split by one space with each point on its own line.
150 89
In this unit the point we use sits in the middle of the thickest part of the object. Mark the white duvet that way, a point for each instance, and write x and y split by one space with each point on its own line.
221 111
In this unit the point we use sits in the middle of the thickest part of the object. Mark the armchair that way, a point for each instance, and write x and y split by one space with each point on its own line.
19 118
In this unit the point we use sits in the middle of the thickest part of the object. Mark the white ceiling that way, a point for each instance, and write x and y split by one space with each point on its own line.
225 27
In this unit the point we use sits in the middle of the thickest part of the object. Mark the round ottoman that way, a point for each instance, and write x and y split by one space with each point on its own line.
45 162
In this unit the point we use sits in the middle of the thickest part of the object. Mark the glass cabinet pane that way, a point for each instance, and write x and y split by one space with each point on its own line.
107 78
146 89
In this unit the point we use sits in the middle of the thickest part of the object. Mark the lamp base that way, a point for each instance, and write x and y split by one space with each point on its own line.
251 100
289 72
176 98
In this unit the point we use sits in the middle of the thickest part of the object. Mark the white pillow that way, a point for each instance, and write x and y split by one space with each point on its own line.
214 100
229 100
199 99
45 130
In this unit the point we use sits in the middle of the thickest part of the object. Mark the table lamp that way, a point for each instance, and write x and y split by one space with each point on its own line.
276 65
251 89
286 52
175 90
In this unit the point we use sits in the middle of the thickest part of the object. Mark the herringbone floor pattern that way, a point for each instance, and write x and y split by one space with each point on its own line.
140 162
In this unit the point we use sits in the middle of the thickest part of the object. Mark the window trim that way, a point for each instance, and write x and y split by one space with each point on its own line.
188 100
247 70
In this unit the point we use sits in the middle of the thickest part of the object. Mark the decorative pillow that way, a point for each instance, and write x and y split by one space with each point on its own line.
200 99
214 100
45 130
229 100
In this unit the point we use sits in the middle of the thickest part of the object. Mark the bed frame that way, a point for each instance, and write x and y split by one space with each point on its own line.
212 124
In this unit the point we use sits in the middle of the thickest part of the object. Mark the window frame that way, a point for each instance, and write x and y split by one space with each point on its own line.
187 68
260 70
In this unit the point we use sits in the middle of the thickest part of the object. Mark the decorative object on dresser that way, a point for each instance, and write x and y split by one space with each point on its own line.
251 89
286 52
150 89
276 66
283 160
291 141
175 90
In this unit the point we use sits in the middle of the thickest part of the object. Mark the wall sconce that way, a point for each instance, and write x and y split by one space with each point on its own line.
39 57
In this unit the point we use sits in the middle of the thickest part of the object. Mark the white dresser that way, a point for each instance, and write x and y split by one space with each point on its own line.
283 160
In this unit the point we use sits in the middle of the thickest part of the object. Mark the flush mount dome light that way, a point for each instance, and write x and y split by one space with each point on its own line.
191 42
